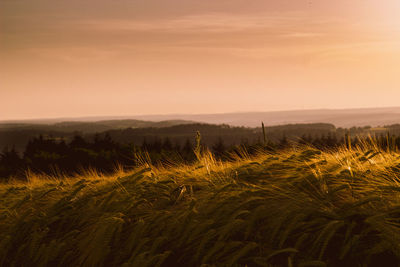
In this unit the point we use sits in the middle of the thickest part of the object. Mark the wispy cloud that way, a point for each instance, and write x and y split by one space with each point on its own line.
210 23
302 35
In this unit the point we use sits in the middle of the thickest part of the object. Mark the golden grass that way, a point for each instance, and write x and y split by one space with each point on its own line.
298 207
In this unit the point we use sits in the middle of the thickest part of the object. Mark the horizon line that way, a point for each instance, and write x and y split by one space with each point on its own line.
117 117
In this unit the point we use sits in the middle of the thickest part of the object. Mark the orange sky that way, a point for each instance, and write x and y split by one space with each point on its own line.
130 57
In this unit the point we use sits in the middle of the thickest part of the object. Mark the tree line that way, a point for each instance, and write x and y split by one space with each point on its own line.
55 156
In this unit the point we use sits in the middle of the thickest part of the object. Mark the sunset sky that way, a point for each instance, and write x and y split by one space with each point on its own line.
69 58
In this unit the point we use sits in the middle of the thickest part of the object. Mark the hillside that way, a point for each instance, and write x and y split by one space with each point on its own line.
299 207
346 118
339 117
18 134
176 131
211 133
89 127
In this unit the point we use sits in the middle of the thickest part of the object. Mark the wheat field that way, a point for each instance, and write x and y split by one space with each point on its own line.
298 207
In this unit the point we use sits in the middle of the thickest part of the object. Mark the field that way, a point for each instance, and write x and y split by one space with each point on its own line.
298 207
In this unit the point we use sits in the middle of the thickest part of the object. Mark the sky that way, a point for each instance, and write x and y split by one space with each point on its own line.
71 58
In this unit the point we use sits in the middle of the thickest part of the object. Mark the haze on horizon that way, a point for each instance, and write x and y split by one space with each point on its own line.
71 58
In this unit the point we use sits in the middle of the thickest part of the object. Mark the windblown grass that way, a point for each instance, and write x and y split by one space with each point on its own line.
300 207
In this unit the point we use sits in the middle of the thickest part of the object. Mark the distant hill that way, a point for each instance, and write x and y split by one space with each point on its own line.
210 133
17 134
88 127
339 117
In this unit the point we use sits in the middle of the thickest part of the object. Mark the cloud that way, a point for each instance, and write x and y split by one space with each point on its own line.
289 36
207 23
296 35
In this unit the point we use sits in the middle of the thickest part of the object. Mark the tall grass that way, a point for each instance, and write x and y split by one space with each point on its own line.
299 207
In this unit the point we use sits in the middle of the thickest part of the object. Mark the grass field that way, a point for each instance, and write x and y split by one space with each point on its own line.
299 207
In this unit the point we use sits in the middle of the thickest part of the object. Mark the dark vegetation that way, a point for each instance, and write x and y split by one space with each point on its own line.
72 152
19 134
